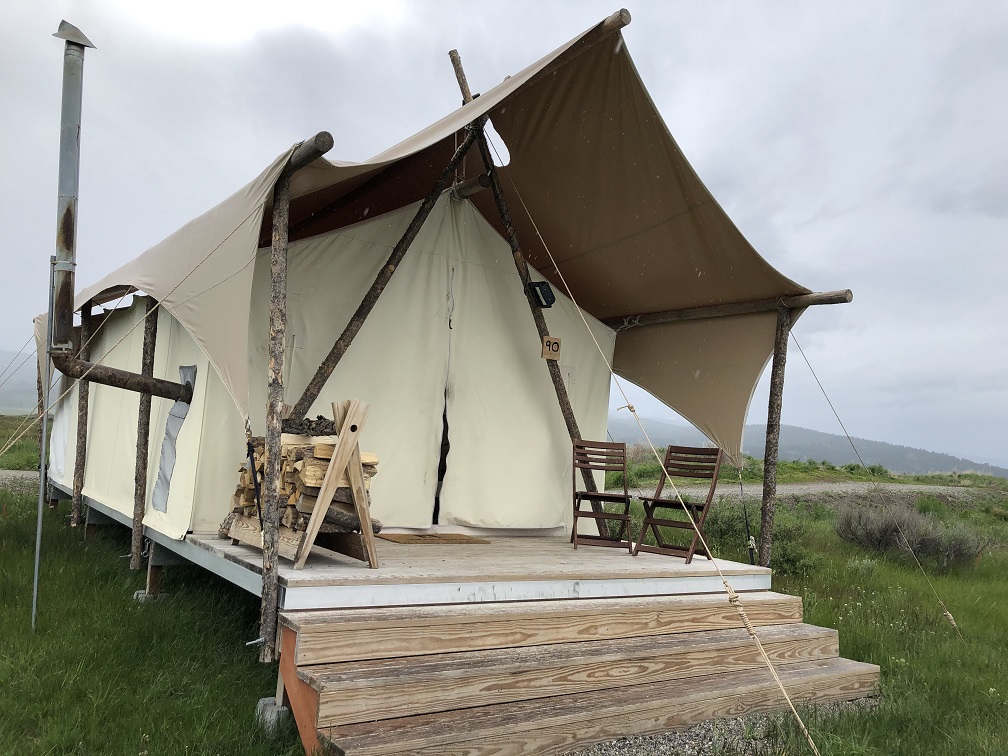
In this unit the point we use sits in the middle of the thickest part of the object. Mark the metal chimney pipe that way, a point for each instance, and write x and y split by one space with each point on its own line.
69 179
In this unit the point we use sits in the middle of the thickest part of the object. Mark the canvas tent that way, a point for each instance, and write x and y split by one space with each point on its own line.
595 182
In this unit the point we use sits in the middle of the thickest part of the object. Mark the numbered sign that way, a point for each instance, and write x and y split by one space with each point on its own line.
551 348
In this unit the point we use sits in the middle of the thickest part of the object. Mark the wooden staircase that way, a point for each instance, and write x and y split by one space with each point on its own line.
547 676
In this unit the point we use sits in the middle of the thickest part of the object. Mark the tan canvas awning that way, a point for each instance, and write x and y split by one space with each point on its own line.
595 178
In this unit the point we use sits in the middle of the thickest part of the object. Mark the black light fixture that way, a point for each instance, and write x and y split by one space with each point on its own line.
542 293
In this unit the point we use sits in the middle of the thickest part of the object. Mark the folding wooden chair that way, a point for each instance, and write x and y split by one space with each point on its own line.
680 462
599 455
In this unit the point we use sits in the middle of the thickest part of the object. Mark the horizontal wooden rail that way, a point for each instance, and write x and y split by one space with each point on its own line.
842 296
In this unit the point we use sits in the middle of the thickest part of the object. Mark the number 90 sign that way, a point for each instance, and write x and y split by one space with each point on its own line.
551 348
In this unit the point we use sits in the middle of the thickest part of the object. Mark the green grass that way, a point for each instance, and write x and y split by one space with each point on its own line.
24 454
105 675
940 695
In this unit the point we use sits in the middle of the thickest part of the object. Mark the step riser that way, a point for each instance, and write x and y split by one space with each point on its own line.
352 641
366 700
600 719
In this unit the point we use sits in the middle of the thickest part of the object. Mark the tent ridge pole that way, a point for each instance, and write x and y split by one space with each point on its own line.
83 391
523 272
773 434
325 370
143 434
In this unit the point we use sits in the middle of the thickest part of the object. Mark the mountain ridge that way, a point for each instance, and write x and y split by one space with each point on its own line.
798 443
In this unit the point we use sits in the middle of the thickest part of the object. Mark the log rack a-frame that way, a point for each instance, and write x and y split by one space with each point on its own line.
350 417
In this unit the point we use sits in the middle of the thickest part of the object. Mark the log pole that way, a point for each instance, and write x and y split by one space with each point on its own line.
305 153
274 418
80 451
730 309
523 273
325 370
773 434
43 471
143 434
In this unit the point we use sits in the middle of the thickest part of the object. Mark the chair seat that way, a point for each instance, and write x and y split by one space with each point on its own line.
670 503
681 462
600 496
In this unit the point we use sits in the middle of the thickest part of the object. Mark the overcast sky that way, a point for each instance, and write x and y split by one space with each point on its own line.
857 145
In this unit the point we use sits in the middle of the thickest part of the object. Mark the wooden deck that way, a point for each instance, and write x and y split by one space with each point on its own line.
505 569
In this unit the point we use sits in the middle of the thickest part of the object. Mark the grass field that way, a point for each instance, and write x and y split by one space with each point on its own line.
23 455
106 675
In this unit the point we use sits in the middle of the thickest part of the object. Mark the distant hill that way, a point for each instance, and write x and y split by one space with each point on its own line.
802 444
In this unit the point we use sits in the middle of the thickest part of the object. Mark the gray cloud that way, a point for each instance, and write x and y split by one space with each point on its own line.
856 145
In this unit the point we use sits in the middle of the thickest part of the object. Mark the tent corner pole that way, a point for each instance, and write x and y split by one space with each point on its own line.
143 434
523 273
305 153
773 434
274 418
83 398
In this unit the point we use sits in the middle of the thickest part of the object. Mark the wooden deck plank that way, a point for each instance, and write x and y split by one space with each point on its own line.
554 725
363 691
348 635
503 559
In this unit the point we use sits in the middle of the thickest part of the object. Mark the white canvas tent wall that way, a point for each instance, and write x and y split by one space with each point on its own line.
452 323
628 222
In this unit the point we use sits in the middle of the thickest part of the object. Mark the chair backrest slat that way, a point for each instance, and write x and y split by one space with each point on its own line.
690 462
602 456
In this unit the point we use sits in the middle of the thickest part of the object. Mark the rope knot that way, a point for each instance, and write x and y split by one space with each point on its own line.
629 407
951 619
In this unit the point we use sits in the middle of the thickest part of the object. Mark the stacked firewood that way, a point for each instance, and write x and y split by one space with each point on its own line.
302 472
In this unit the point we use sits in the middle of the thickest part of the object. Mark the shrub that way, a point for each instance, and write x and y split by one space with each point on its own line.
874 528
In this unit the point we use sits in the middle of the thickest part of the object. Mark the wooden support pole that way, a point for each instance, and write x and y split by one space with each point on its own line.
122 379
41 432
274 417
83 388
773 434
318 381
523 273
143 435
843 296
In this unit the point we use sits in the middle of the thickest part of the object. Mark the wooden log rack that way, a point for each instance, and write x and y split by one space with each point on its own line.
336 508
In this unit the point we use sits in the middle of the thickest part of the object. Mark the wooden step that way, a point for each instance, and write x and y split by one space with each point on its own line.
563 723
377 633
363 691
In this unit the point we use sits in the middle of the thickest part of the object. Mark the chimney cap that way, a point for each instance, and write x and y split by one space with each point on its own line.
71 33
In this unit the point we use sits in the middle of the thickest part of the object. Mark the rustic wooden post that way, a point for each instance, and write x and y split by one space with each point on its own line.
143 434
773 434
274 418
523 273
83 389
318 381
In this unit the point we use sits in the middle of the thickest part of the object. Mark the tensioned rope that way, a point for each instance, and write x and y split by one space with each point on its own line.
733 597
142 320
36 413
13 360
878 490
